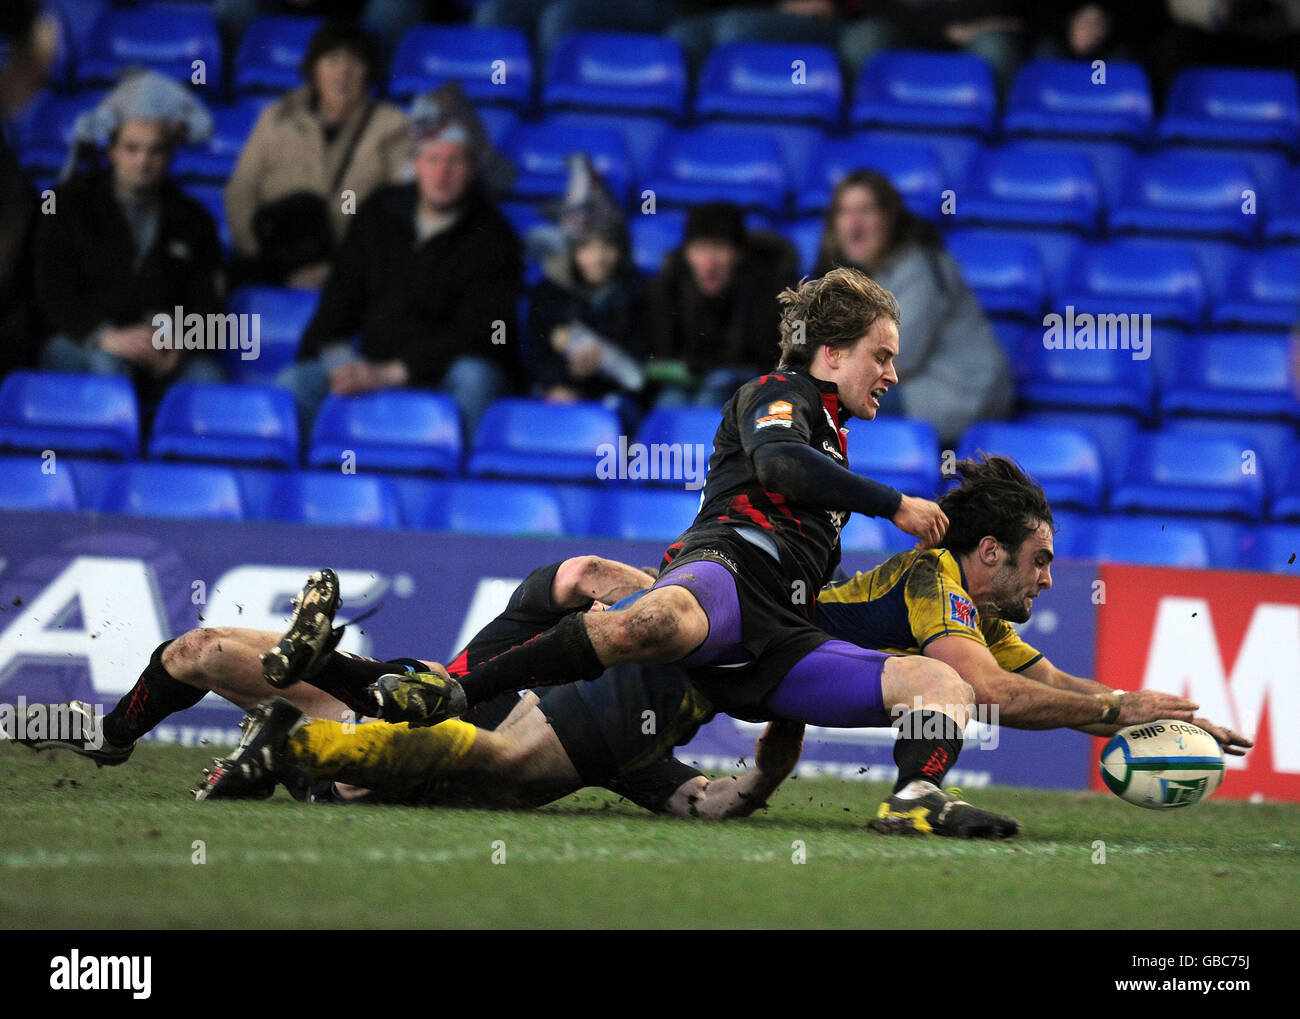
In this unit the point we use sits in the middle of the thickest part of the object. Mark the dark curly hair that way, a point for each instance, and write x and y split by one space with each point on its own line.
994 496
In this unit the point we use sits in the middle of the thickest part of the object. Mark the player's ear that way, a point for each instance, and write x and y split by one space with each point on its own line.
989 547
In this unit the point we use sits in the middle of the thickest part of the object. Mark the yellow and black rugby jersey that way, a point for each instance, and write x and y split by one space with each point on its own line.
908 601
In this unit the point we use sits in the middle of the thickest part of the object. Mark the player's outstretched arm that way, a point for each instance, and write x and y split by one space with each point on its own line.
775 755
1027 703
803 475
1134 706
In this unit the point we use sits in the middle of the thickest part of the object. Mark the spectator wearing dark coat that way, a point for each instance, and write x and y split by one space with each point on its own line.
587 317
714 318
124 245
428 279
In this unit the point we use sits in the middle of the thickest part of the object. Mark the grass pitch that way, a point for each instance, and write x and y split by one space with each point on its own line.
91 848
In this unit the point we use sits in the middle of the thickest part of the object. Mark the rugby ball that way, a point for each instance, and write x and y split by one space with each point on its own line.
1162 765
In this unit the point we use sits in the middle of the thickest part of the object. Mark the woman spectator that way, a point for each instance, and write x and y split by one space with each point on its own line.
312 158
950 366
587 317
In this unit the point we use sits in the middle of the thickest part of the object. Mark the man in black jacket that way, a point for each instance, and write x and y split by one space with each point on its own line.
429 278
122 246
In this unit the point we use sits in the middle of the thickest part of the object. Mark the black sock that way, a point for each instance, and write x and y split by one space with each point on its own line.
156 695
347 678
562 654
927 746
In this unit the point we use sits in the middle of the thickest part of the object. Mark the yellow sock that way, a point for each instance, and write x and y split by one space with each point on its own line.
380 755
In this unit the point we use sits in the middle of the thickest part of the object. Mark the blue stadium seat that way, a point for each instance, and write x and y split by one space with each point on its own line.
497 121
806 236
642 134
719 164
215 161
391 430
94 414
1233 107
226 422
1227 540
42 134
617 71
1065 462
1113 435
921 90
164 37
1268 446
1137 278
1006 273
1263 292
1286 504
1057 249
956 152
334 499
1071 540
687 426
1063 97
541 150
26 485
1145 541
872 534
531 439
896 451
1274 549
634 513
212 197
78 19
194 491
495 507
1023 185
282 315
758 79
429 55
1234 375
914 168
1186 193
1110 159
653 237
1282 222
797 142
1101 379
270 53
1186 473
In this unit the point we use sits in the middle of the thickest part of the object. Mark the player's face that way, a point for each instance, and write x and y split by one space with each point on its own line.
139 156
443 171
864 372
859 226
1022 577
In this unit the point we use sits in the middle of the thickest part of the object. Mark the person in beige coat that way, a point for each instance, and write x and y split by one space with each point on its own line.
327 139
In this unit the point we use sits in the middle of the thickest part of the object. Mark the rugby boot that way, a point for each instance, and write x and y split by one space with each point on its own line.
936 812
420 698
83 733
260 760
311 635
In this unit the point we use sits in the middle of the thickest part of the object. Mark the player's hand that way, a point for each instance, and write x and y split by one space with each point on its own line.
1140 706
922 519
779 748
1233 743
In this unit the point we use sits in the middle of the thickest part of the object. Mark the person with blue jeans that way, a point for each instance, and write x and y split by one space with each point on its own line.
424 290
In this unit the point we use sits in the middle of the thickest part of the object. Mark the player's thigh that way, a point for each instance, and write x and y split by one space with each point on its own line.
662 626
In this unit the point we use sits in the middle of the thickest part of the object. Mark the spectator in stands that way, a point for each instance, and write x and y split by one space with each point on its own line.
1096 29
387 19
125 244
28 40
285 202
1239 33
951 368
587 317
429 278
714 320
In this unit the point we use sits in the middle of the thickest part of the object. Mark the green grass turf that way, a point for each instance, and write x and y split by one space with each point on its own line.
82 847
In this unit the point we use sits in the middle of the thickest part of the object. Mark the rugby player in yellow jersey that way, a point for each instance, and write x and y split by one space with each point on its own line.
956 604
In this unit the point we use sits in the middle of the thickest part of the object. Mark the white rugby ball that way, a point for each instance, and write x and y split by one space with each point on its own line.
1162 765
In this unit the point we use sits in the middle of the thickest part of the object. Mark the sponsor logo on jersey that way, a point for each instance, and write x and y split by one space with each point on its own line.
832 451
779 415
961 609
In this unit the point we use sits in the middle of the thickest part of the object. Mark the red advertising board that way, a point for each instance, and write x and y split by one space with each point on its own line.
1230 642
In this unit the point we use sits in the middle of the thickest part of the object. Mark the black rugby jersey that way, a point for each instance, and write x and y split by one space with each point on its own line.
781 406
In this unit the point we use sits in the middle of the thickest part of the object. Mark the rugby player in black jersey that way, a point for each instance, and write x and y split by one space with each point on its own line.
618 733
736 593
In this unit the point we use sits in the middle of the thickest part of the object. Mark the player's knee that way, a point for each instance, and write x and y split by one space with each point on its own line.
191 655
577 576
934 681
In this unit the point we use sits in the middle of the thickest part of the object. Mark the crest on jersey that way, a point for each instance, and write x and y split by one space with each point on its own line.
779 414
961 609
